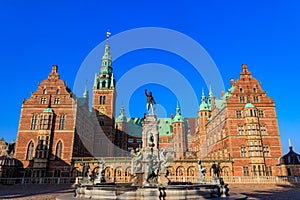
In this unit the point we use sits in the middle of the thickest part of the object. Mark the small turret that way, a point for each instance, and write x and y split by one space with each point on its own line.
121 117
178 117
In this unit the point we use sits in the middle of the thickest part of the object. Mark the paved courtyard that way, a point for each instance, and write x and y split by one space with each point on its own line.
50 192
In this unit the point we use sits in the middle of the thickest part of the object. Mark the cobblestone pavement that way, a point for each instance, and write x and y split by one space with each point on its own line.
267 191
50 192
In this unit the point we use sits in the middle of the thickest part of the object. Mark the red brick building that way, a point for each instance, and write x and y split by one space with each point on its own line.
50 123
240 129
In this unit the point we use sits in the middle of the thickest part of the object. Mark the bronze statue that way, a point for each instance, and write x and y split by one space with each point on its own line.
150 102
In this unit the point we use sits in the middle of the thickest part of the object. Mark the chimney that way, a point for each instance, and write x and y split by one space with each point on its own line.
54 68
232 82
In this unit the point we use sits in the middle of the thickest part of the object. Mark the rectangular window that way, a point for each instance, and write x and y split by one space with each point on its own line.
56 100
242 99
34 121
240 129
263 130
255 99
238 114
246 170
243 152
62 121
260 113
266 151
130 140
43 100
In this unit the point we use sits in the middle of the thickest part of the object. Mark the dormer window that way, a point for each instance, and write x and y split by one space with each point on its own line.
58 91
44 91
254 90
241 90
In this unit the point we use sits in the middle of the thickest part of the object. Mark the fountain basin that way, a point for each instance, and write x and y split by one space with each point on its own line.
173 191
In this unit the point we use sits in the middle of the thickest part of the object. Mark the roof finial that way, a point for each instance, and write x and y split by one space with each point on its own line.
85 91
107 35
290 144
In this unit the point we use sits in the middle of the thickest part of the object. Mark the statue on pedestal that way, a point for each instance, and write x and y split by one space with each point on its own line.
85 173
100 174
137 158
150 102
201 172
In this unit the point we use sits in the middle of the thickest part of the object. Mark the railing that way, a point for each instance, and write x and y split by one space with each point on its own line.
262 179
38 180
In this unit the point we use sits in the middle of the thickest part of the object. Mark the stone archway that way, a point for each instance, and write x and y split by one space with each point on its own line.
180 174
119 174
109 174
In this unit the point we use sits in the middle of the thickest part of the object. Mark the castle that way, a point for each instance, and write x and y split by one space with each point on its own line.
58 133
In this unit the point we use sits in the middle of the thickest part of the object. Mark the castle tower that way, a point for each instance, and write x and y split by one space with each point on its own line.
254 139
104 94
179 135
203 115
121 130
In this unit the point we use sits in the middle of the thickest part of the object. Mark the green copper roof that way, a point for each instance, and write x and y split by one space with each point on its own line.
203 105
48 110
249 105
178 117
165 127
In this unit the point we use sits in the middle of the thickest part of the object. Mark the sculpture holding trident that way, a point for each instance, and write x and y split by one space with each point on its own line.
150 102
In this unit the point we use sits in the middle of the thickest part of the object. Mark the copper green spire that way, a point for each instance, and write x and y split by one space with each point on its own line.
121 117
106 67
203 105
105 79
178 117
203 96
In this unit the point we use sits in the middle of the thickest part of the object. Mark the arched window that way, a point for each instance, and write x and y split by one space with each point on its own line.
58 91
58 152
103 84
100 100
44 91
104 99
30 150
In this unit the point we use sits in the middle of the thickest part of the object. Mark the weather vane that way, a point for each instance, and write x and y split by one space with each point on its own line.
108 34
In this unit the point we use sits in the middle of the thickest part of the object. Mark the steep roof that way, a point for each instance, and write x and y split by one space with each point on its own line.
291 158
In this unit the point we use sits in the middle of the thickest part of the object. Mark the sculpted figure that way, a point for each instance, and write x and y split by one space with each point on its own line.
150 102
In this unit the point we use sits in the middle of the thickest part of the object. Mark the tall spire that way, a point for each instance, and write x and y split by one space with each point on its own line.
105 79
106 67
85 91
112 84
178 117
203 105
203 96
210 96
122 116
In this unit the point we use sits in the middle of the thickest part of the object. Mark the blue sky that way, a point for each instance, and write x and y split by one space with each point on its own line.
264 34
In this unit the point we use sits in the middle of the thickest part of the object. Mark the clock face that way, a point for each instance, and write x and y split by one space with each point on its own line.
102 110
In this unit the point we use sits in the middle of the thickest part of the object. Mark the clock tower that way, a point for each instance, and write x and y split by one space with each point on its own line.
104 94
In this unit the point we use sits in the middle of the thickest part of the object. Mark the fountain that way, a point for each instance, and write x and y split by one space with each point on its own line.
150 175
